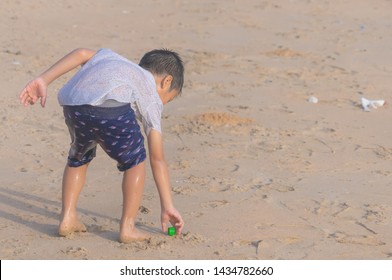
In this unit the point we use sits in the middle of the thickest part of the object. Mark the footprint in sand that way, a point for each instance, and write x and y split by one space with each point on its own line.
193 238
383 152
376 213
272 185
75 252
214 203
182 190
344 238
150 244
334 208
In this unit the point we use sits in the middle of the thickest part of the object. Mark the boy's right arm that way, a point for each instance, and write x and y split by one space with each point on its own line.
161 176
37 88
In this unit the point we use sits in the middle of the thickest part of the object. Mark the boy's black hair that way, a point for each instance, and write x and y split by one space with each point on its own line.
165 62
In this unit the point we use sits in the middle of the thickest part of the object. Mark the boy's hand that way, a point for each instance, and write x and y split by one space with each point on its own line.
34 90
174 217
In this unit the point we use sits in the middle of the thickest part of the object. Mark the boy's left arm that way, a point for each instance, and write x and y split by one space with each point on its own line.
161 177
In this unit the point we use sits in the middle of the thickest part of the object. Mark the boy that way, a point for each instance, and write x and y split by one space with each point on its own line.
96 103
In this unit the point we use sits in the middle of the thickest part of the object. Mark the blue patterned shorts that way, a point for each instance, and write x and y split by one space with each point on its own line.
114 129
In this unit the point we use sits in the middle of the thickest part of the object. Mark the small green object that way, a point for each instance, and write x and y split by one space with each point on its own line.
171 231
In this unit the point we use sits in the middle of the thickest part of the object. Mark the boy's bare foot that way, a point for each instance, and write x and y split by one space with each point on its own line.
131 234
68 227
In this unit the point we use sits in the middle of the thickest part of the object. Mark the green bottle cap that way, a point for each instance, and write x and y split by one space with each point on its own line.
171 231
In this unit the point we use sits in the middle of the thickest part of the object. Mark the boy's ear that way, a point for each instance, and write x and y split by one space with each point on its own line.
166 82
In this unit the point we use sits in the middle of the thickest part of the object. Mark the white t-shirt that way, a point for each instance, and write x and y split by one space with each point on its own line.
109 76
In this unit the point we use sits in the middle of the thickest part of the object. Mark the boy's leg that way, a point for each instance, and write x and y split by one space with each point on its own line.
73 181
132 188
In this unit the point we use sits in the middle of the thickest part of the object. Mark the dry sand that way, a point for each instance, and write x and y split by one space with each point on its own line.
257 171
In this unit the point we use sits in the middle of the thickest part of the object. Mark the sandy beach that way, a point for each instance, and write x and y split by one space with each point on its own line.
257 171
